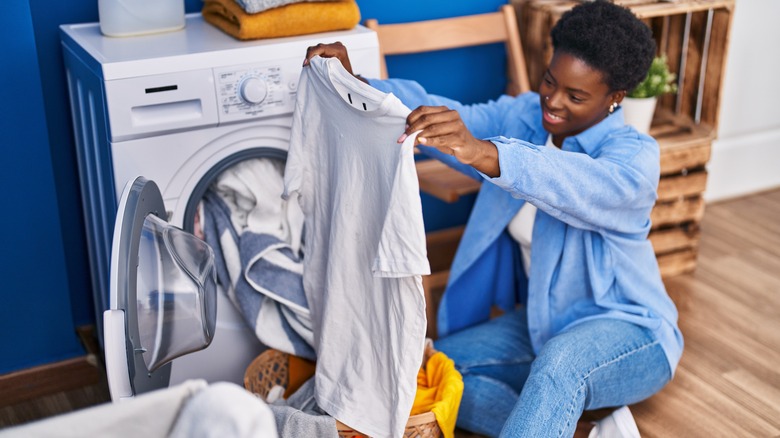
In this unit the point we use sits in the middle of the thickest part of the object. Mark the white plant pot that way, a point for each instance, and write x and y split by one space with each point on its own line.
638 112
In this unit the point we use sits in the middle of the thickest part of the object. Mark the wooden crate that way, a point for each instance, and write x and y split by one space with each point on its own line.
693 34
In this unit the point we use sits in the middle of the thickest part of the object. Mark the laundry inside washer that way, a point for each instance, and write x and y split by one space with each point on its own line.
257 237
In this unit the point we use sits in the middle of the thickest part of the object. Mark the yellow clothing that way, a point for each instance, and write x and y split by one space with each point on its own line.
298 372
439 390
288 20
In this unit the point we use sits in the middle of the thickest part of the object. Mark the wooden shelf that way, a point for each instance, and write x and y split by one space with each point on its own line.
685 148
684 145
675 239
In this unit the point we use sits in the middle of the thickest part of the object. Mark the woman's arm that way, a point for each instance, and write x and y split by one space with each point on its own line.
614 191
452 130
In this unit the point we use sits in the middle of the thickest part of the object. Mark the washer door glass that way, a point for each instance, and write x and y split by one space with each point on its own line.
175 293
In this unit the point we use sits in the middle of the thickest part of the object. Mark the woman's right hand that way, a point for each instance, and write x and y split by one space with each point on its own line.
442 128
332 50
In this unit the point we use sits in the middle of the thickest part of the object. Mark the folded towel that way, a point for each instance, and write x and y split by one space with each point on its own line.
255 6
293 19
265 309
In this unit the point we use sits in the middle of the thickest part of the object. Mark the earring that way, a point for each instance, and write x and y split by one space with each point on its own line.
613 107
546 98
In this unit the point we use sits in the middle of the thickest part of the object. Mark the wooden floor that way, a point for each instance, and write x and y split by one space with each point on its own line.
728 381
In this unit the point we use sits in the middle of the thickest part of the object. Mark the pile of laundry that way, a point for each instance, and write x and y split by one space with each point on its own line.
257 238
439 391
256 19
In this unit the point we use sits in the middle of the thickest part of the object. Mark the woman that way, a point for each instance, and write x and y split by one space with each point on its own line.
561 224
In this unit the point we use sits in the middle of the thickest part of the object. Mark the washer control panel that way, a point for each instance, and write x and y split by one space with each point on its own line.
256 90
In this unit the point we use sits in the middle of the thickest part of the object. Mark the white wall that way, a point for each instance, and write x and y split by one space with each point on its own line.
746 155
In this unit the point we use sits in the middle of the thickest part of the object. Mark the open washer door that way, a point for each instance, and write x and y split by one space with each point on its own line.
163 294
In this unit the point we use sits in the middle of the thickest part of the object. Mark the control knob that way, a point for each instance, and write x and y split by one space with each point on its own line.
253 90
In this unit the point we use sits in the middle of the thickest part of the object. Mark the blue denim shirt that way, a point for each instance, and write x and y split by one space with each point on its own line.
590 254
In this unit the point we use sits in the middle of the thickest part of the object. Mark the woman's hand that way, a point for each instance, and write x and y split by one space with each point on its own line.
443 129
332 50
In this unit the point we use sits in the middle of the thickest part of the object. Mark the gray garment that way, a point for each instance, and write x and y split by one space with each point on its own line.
255 6
299 415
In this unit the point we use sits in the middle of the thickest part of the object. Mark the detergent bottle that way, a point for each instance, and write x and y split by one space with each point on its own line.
120 18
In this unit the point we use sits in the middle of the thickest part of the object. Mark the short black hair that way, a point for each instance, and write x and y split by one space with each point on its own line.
609 38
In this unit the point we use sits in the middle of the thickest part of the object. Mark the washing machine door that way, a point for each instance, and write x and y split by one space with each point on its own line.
163 294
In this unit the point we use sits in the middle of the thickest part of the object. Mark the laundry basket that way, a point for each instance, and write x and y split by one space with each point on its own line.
273 368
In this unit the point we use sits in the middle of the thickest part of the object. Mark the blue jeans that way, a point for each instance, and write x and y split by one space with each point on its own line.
510 391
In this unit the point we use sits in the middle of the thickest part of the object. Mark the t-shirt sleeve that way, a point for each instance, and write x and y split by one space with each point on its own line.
401 251
293 169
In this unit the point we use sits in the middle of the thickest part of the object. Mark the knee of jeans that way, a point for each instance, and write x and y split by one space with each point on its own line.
556 360
461 353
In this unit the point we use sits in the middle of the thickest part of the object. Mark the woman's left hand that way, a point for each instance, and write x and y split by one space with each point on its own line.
443 129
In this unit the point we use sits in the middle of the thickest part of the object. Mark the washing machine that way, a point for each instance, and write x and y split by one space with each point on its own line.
157 119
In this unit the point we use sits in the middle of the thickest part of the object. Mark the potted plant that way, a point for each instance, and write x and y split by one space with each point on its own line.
639 103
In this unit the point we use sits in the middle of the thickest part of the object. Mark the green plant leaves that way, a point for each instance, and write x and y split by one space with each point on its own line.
659 80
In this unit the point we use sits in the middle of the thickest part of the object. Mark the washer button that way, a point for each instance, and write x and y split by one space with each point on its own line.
253 90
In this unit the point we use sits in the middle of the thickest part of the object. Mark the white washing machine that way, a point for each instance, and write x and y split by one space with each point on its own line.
178 109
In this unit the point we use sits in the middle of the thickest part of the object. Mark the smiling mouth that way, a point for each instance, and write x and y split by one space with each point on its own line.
552 118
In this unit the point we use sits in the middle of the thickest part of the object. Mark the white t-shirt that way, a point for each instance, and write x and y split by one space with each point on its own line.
364 246
521 227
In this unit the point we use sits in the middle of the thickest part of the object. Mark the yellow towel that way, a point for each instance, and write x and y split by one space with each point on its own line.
439 390
288 20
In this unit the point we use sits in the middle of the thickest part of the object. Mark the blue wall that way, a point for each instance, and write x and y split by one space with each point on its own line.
35 312
46 290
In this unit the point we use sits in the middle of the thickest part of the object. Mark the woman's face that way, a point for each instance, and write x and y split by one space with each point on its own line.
574 97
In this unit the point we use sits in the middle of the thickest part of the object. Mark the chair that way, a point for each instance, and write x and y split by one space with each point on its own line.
436 178
457 32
